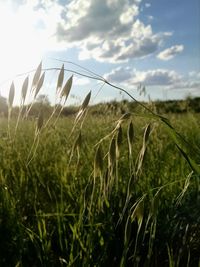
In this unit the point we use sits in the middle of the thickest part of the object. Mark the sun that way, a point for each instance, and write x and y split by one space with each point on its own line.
22 41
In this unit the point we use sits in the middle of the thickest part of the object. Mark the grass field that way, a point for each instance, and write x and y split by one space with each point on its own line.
100 190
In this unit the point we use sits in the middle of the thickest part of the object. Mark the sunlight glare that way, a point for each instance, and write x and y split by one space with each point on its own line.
22 42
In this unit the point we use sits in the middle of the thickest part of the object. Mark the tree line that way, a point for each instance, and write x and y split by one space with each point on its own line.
162 107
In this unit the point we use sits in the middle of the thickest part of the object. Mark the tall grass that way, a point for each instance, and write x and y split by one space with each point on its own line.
97 190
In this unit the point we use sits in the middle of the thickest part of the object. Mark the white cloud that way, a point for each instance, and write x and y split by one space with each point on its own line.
171 52
150 18
194 74
157 77
119 75
81 81
147 5
168 34
107 30
167 79
128 15
191 82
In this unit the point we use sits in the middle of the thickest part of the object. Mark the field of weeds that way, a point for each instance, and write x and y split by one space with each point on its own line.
98 190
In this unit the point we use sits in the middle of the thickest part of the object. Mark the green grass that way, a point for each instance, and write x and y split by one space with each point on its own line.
98 190
55 212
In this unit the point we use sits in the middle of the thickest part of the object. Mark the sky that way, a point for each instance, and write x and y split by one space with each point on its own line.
131 43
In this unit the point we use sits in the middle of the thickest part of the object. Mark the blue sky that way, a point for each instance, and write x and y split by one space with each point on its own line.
155 43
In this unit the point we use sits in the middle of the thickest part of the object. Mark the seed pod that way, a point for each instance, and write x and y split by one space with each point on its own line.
118 141
36 76
130 137
119 136
147 132
66 89
112 153
11 95
83 107
39 85
86 101
60 79
131 133
24 89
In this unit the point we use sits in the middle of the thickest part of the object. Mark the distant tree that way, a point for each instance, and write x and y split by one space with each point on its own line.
43 99
3 105
42 104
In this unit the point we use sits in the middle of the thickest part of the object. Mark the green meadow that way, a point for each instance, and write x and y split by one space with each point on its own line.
99 187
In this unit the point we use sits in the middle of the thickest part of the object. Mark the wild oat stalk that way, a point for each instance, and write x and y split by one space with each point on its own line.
37 84
23 98
58 93
64 93
10 104
81 113
178 139
38 129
